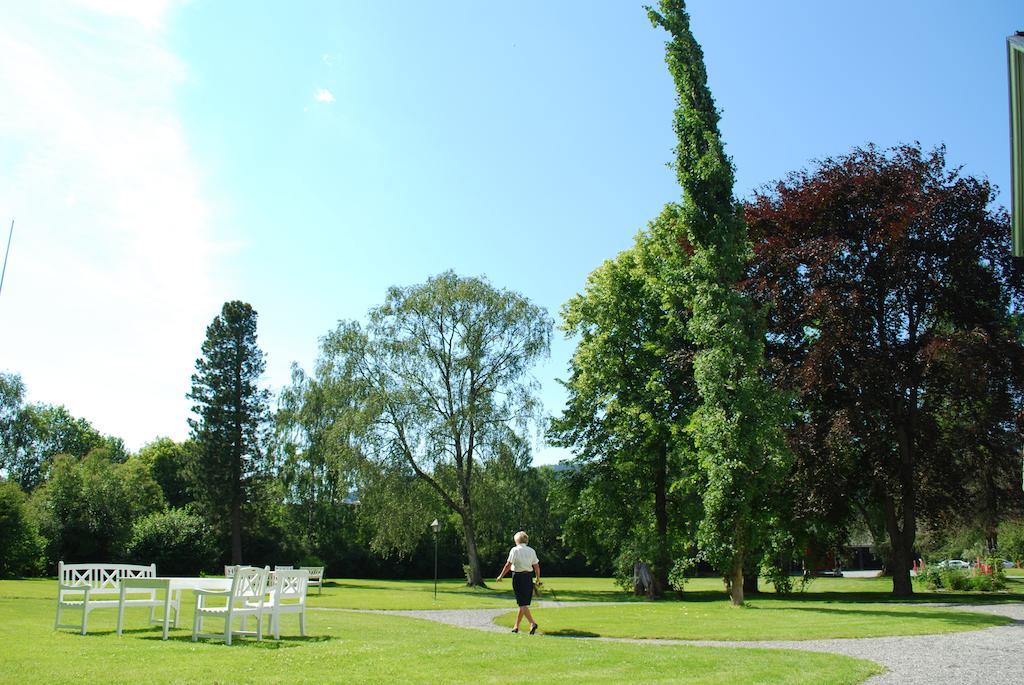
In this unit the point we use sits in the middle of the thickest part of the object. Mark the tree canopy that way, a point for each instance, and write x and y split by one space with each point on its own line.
889 294
444 367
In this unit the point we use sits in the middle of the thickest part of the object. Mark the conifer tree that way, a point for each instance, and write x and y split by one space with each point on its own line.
231 414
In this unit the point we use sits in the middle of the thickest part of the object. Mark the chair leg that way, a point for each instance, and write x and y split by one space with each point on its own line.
302 623
85 618
56 622
197 624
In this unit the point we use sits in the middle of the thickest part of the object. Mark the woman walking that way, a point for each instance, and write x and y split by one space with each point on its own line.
521 561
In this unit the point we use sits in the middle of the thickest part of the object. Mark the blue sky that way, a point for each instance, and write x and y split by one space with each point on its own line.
162 157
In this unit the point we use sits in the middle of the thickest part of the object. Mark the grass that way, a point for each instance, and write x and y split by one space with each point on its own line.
453 594
762 619
829 608
369 648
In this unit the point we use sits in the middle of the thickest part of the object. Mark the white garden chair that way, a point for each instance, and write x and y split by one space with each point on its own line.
283 568
244 599
287 596
229 571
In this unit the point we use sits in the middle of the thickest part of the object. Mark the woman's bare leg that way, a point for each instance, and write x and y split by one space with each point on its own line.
525 611
519 617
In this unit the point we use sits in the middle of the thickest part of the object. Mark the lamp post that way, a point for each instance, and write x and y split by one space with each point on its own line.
435 526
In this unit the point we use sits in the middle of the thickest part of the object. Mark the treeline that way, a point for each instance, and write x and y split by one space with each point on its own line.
72 494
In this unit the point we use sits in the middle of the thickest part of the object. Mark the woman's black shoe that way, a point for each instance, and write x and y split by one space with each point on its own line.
533 629
515 630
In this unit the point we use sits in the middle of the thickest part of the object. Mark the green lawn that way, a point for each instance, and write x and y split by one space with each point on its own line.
453 594
368 648
760 619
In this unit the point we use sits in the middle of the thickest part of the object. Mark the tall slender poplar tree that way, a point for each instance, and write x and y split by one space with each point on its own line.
736 429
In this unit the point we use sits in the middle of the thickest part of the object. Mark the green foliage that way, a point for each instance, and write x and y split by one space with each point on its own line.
630 387
736 429
682 571
31 435
21 548
231 417
270 535
1011 539
442 386
178 541
960 580
86 509
779 577
170 463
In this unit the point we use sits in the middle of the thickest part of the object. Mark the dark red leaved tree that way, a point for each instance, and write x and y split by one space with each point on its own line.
890 300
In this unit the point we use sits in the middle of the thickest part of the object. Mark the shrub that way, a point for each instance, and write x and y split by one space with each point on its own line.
955 579
778 577
21 548
1011 539
929 578
678 576
178 541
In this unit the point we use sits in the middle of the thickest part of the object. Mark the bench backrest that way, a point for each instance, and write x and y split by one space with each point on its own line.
315 572
101 576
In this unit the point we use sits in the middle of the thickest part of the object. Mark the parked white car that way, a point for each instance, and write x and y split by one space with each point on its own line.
952 563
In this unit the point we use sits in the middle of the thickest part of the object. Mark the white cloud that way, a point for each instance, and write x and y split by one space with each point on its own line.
110 282
323 95
150 14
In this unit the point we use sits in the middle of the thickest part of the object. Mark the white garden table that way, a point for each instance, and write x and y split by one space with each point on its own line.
172 588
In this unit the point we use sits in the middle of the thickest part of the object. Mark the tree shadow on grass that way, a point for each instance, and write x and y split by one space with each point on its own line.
570 632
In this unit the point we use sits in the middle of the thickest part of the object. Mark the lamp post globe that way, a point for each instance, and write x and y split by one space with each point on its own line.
435 526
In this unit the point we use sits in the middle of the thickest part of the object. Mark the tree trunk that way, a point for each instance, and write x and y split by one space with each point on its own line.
902 562
750 584
475 577
236 532
736 581
901 520
643 582
662 561
901 538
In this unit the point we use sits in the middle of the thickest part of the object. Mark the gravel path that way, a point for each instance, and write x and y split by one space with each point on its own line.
993 656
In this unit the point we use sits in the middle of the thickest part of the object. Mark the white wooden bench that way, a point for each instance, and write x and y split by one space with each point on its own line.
316 576
97 586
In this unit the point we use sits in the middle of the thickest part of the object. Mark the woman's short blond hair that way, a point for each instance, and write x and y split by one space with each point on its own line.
521 537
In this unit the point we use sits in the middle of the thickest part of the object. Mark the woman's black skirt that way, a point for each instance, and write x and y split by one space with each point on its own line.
522 584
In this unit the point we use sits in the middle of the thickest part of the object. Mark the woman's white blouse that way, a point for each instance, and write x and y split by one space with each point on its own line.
522 557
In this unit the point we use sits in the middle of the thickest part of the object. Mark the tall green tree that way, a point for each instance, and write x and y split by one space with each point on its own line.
630 389
736 429
21 548
32 434
86 509
445 370
231 418
318 452
891 301
171 463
